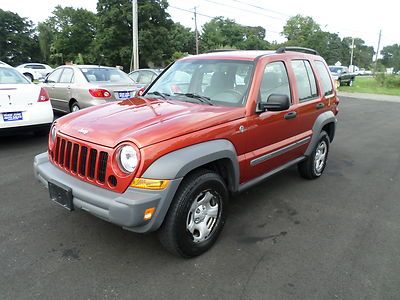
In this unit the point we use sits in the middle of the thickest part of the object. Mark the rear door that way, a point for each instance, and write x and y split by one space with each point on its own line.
309 100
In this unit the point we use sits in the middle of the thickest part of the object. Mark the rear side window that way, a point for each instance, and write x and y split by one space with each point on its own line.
37 67
327 87
306 85
275 81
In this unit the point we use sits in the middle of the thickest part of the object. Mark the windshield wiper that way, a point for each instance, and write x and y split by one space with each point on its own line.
162 95
202 99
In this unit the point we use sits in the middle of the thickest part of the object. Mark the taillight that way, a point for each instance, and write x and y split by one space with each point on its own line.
43 96
100 93
140 91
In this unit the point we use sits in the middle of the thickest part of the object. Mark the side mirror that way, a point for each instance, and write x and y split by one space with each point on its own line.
276 102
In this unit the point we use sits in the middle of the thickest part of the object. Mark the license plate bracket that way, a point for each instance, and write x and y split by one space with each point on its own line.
61 194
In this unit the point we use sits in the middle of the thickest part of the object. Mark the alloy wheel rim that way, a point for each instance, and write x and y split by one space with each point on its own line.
320 156
75 108
203 216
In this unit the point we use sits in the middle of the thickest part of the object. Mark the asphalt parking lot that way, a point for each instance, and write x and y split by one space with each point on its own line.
288 238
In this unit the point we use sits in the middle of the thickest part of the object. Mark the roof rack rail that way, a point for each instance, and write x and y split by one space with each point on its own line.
297 49
221 50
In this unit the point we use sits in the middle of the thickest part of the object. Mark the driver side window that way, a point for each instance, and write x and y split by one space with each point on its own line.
53 77
275 81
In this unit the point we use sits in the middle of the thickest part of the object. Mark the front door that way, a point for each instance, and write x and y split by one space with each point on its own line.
273 137
50 84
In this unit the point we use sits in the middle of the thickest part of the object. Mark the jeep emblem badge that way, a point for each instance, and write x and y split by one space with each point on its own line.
83 131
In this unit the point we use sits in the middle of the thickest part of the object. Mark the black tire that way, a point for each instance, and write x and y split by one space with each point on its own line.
350 83
29 76
74 107
174 234
309 168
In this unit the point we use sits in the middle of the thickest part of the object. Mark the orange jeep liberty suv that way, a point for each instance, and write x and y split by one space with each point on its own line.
209 126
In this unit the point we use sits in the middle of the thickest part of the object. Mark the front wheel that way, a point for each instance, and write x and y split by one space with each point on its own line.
314 165
196 216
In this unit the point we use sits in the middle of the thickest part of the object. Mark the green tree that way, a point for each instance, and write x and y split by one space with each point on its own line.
156 29
305 32
72 33
362 54
301 31
224 33
391 56
18 42
182 38
254 39
45 39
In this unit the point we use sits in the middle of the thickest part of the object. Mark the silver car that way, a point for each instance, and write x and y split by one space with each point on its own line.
143 77
73 87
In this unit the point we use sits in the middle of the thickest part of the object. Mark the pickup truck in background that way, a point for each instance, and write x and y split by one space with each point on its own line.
342 76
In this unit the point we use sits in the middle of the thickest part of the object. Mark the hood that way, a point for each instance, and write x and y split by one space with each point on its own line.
143 121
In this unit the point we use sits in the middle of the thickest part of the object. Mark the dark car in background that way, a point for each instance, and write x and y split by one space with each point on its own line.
342 76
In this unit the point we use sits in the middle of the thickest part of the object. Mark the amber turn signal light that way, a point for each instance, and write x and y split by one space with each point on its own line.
148 213
149 184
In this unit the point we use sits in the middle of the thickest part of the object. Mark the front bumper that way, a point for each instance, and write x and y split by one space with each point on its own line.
126 210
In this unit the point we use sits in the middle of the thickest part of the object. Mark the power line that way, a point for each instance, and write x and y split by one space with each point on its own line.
263 8
243 9
191 12
212 17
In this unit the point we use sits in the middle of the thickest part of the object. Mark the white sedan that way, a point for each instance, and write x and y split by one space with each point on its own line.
24 106
34 71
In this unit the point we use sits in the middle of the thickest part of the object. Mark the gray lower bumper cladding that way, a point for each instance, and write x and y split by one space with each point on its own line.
126 210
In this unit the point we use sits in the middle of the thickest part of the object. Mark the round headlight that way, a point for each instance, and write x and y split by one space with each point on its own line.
128 159
53 133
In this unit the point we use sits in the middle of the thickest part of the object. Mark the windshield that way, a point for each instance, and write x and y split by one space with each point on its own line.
11 76
106 75
336 69
214 82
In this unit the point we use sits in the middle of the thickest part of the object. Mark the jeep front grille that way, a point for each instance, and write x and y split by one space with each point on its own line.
85 161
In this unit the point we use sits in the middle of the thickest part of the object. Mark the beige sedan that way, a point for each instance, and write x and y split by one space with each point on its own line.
73 87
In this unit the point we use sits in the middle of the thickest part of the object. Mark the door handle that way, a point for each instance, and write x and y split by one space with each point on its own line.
290 115
320 105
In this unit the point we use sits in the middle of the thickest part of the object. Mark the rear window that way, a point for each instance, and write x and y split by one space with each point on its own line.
106 75
327 87
11 76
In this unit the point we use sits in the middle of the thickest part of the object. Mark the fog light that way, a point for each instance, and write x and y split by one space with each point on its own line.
150 184
148 213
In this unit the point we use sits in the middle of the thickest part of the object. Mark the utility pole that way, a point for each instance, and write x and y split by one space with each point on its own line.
352 53
377 51
195 30
135 37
